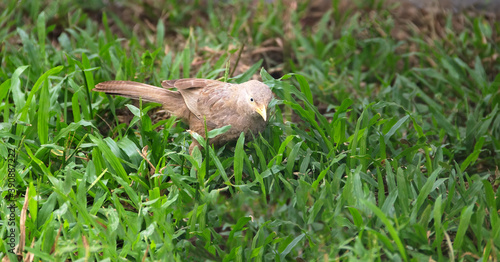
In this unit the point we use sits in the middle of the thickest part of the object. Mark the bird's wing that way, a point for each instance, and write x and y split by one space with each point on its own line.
188 83
198 94
218 104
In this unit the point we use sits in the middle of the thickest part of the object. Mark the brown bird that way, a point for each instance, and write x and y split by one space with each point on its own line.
243 106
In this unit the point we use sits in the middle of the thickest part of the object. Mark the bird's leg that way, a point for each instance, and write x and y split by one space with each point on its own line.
195 142
193 145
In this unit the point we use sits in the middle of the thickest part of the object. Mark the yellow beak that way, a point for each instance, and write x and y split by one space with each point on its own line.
262 111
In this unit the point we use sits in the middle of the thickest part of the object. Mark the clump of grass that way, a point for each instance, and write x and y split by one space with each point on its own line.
366 156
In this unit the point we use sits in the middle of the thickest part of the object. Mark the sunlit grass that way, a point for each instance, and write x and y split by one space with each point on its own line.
374 150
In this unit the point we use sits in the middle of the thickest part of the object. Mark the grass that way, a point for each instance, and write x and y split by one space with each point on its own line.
378 147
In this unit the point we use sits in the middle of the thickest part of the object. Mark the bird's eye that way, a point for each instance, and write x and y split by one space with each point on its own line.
251 99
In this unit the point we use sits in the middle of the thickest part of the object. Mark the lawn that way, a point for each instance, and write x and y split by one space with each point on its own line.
383 140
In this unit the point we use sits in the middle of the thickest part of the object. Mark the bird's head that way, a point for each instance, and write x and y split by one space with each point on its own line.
257 97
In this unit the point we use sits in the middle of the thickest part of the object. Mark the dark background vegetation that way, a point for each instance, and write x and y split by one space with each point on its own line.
383 141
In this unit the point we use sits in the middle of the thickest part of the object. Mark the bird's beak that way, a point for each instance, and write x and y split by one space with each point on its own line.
262 111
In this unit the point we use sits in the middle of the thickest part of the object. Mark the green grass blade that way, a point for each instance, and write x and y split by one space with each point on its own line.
43 114
463 226
392 231
238 159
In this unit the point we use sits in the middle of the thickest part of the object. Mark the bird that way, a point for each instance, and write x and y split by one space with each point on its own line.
242 106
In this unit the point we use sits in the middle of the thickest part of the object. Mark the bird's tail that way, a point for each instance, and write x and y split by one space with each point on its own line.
172 101
136 90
